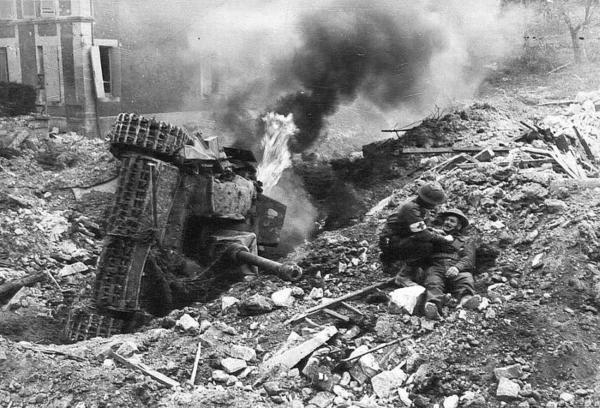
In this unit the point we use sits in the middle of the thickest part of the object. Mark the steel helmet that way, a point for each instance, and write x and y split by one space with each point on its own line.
432 194
457 213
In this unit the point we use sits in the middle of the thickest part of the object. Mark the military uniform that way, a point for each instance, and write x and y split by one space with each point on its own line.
459 254
406 240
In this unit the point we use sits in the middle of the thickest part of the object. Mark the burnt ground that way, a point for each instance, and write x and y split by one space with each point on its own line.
543 318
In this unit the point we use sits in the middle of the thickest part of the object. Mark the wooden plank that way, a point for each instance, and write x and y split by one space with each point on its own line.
451 149
337 315
49 350
293 356
452 162
584 144
384 345
195 367
10 288
161 378
558 157
332 302
352 308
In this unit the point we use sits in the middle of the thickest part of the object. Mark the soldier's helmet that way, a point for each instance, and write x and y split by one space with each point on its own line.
458 214
432 194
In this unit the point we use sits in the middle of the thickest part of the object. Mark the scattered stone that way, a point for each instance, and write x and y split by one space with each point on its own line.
507 390
323 399
567 397
257 304
316 293
386 381
537 261
220 376
242 352
451 401
272 388
127 349
227 302
404 300
187 323
473 302
283 297
366 367
297 291
511 372
404 396
345 380
109 363
204 325
554 206
485 302
342 392
2 355
233 365
77 267
413 362
225 328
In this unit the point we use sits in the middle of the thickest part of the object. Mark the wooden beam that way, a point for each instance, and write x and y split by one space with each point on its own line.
384 345
10 288
584 144
337 315
161 378
336 301
195 367
451 149
293 356
352 308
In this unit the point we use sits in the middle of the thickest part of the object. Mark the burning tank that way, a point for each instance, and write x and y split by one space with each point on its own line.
187 214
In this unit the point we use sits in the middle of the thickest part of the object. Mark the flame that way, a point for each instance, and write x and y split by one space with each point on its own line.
276 154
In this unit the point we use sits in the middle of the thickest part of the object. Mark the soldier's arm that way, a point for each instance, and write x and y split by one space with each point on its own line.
419 229
466 263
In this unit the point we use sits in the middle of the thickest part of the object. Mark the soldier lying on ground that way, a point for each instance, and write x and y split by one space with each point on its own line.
406 242
452 265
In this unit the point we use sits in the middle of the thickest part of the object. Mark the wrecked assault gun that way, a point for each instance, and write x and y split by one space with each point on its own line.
187 217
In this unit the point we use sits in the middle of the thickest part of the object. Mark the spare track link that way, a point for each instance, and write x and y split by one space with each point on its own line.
132 132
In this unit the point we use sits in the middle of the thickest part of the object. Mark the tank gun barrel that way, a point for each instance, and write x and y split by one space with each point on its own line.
287 271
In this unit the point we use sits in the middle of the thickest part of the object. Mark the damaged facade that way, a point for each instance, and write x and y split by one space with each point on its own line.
87 64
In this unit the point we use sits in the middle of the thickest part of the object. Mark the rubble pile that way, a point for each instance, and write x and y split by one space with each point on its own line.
343 336
582 115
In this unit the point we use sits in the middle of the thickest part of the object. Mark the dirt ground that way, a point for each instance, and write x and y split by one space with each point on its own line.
541 317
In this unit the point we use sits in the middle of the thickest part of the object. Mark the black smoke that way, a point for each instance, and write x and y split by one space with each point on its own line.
379 53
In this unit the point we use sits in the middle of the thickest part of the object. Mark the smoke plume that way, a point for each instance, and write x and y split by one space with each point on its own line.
310 58
371 51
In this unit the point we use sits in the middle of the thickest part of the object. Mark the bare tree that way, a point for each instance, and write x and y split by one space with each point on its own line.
567 10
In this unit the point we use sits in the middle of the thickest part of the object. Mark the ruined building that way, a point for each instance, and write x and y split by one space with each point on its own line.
91 59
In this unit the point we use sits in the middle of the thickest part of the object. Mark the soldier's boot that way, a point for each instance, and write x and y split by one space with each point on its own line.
431 311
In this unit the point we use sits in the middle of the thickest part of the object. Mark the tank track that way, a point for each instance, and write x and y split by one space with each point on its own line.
84 323
132 132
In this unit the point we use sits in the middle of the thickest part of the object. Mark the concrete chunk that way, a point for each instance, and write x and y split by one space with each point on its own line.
72 269
242 352
405 300
366 367
283 297
507 390
386 381
511 372
187 322
233 365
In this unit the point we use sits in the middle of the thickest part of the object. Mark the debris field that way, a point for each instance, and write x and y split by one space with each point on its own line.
342 336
